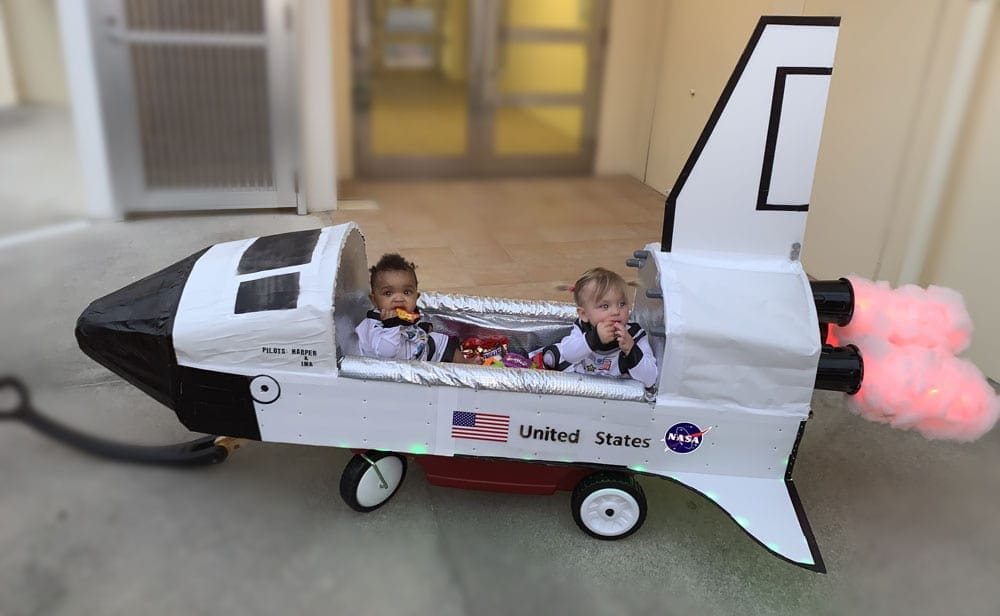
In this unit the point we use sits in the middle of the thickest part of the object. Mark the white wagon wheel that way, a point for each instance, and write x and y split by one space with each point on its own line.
609 505
370 479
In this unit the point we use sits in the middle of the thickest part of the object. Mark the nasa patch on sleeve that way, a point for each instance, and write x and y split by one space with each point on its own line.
684 437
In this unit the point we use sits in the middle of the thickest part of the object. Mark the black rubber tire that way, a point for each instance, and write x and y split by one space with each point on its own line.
355 471
624 483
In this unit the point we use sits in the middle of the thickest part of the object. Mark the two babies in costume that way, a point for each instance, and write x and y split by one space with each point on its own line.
603 342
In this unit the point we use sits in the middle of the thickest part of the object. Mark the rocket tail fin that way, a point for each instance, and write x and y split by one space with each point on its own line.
768 510
745 188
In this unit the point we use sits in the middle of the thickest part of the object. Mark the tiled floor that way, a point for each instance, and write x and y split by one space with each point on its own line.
517 238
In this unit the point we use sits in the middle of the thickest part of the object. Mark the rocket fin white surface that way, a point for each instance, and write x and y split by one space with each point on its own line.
745 188
767 509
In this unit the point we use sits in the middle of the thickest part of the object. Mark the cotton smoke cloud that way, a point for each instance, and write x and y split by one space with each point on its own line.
908 339
929 390
934 317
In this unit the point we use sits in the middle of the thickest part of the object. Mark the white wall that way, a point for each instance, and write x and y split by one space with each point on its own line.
88 121
317 134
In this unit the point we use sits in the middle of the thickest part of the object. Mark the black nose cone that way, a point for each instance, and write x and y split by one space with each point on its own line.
130 331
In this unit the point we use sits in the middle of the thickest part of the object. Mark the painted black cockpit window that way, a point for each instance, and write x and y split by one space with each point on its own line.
282 250
271 293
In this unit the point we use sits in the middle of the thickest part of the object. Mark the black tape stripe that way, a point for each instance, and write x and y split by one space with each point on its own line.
670 207
272 293
771 144
281 250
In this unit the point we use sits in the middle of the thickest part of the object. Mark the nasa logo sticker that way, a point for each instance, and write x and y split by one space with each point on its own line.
684 437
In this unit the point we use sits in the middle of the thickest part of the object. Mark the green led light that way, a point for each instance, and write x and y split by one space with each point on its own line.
712 497
418 449
784 462
774 548
638 469
742 521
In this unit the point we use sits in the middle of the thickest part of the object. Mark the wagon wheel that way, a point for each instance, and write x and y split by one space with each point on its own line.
608 505
370 479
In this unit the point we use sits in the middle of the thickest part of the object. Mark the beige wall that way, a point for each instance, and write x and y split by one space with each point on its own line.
33 41
8 93
966 252
340 28
629 88
873 138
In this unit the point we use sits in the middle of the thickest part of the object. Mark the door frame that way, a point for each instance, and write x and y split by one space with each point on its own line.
120 114
482 100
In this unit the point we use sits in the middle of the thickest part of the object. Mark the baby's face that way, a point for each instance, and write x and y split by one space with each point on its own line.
611 307
395 289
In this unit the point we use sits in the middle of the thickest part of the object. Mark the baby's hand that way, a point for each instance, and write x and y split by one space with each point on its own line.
606 331
625 341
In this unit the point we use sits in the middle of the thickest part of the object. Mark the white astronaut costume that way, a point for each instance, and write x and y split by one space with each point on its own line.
399 339
582 351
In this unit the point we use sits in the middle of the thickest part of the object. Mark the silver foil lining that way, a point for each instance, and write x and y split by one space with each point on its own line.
441 302
527 324
496 379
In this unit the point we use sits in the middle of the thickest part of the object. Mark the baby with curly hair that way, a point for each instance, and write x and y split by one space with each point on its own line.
394 329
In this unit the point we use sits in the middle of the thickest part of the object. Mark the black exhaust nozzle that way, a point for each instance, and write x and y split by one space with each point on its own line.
834 300
840 369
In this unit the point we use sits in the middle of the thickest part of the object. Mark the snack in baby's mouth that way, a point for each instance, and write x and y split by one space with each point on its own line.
407 316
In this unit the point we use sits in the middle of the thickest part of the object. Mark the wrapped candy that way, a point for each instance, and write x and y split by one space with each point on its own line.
493 362
516 360
493 353
484 348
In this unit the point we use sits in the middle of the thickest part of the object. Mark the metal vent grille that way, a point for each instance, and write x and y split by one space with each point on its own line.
195 15
203 115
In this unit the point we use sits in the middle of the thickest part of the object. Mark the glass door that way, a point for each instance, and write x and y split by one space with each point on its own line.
542 85
456 87
411 87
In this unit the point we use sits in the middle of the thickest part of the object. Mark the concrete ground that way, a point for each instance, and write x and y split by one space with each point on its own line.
906 526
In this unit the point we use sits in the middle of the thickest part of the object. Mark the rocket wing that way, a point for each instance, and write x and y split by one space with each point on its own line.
768 510
746 186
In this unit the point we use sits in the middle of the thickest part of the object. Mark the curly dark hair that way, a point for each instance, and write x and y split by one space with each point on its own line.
392 262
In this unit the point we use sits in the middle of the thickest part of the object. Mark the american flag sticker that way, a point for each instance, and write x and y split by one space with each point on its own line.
480 426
